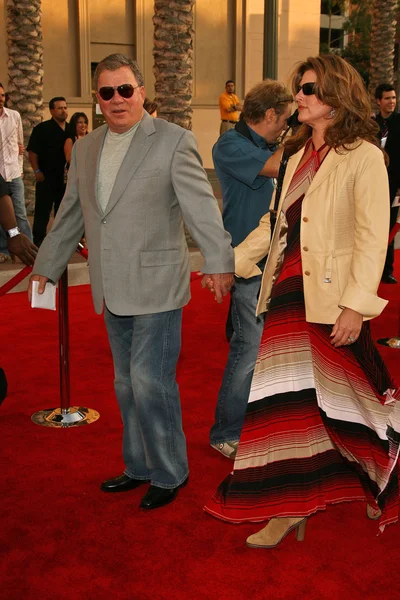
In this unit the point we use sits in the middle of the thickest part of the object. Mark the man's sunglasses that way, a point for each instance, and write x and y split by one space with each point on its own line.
125 90
308 89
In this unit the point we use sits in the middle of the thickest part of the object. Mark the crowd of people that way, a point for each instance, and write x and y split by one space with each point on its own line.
307 409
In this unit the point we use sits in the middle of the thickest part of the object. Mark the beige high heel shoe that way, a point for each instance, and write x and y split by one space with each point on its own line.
276 530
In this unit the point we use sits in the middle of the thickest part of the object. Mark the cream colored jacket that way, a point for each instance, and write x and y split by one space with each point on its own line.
343 236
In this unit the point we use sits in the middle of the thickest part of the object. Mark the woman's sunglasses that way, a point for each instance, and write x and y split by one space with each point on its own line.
125 90
308 89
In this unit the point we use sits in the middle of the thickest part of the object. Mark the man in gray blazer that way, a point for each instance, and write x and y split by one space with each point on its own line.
131 184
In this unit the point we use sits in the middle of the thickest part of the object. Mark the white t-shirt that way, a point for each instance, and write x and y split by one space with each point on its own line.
113 153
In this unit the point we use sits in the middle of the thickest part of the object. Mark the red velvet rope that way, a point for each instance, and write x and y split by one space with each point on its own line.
15 280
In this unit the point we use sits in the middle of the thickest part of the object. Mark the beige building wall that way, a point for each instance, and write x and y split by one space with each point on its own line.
60 48
298 32
214 63
228 44
112 28
298 38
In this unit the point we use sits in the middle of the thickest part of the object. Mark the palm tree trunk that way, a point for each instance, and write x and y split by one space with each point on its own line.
173 59
383 35
25 70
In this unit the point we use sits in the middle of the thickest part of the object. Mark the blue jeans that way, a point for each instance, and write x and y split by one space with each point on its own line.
145 350
245 342
17 193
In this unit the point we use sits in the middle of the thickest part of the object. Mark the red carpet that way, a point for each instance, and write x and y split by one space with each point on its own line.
62 539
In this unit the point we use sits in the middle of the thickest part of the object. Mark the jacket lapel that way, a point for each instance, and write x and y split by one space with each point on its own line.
139 147
332 160
290 170
92 163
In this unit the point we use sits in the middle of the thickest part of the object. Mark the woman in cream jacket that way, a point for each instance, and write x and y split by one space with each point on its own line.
323 421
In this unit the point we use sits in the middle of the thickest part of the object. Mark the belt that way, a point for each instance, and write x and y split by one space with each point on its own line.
226 121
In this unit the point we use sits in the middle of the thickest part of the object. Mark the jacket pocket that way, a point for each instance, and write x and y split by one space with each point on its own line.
160 258
343 258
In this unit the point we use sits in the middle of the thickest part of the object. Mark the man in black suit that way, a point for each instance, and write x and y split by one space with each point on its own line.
389 135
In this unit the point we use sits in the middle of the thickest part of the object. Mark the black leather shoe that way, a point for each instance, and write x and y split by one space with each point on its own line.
157 496
389 279
122 483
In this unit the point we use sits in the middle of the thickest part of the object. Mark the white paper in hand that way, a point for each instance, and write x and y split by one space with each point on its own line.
45 300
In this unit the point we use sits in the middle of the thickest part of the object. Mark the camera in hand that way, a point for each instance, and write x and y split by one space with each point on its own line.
293 120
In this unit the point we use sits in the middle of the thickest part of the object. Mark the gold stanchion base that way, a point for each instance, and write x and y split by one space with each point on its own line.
71 417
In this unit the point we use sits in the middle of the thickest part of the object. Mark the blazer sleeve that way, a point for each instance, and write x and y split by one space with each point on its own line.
199 207
371 187
61 242
255 247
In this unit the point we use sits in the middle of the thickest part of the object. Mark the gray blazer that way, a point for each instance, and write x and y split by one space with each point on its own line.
138 256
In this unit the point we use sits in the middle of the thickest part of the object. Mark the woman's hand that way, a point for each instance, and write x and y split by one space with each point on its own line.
347 328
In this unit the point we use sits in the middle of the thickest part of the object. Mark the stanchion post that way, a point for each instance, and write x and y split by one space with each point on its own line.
65 416
63 329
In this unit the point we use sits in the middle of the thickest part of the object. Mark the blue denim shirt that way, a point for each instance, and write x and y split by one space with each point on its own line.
246 195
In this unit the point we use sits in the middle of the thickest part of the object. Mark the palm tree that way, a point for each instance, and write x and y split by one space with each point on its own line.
383 35
173 59
25 69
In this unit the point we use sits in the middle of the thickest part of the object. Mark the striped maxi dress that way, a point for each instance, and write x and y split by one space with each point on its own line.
322 424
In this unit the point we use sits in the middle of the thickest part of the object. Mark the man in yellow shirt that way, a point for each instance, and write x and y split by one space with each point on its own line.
229 107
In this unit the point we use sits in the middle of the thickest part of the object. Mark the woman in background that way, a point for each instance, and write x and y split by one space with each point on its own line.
151 107
78 128
323 419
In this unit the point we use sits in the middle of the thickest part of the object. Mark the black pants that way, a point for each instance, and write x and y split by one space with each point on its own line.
48 193
388 268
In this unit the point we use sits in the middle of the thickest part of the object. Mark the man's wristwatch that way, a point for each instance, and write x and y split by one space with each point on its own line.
13 232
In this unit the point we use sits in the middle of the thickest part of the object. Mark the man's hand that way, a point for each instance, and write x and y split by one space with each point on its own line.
42 284
21 149
219 284
21 246
39 176
347 328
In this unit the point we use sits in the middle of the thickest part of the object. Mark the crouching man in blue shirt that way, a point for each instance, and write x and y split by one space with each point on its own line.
246 160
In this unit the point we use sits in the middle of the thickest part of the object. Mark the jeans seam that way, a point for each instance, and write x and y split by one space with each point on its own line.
228 380
139 477
231 398
166 345
171 486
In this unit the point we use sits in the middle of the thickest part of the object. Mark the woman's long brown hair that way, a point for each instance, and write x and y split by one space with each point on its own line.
340 86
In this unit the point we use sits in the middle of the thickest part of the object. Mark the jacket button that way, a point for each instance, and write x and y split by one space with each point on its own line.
305 219
307 273
305 248
104 221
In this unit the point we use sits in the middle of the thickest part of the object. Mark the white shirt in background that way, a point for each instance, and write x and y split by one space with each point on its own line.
11 134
